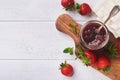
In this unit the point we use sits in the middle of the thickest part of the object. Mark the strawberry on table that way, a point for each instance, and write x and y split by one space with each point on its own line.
66 69
68 4
84 9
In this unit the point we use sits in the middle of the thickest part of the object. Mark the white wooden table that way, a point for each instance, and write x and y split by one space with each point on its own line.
31 47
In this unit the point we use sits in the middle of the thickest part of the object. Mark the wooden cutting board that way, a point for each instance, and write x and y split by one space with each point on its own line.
62 24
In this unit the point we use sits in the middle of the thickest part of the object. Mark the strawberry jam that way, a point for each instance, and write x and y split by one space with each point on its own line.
91 39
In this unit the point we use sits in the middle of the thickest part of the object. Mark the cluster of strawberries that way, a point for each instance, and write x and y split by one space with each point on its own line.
90 58
83 9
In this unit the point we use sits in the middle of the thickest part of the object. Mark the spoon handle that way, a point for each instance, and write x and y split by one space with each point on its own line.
113 12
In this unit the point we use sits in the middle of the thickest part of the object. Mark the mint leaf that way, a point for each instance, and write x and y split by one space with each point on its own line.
81 55
73 28
68 50
86 61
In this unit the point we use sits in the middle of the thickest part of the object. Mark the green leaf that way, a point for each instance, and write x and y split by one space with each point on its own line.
86 61
70 7
68 50
112 49
74 30
78 7
81 55
63 64
107 69
80 52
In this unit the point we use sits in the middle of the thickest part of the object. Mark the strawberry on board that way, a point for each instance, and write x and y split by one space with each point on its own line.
83 9
68 4
104 63
66 69
91 56
88 57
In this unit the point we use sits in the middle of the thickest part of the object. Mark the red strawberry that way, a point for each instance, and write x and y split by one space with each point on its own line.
103 63
91 56
66 69
84 9
68 4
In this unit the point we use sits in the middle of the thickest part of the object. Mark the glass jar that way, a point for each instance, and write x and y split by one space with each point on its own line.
91 39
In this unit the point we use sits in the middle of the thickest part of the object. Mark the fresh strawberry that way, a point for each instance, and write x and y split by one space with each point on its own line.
68 4
66 69
104 63
91 56
84 9
118 47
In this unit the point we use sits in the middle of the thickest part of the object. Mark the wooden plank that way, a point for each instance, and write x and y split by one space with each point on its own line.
45 70
35 10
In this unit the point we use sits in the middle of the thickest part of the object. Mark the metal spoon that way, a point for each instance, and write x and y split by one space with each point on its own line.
113 12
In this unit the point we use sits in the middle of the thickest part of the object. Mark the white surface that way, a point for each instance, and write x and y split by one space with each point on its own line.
44 70
31 47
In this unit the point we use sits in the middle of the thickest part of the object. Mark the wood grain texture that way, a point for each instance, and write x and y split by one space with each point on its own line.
62 25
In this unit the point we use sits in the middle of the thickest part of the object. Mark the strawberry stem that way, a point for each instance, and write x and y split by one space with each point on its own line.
63 64
78 7
107 69
70 7
112 49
